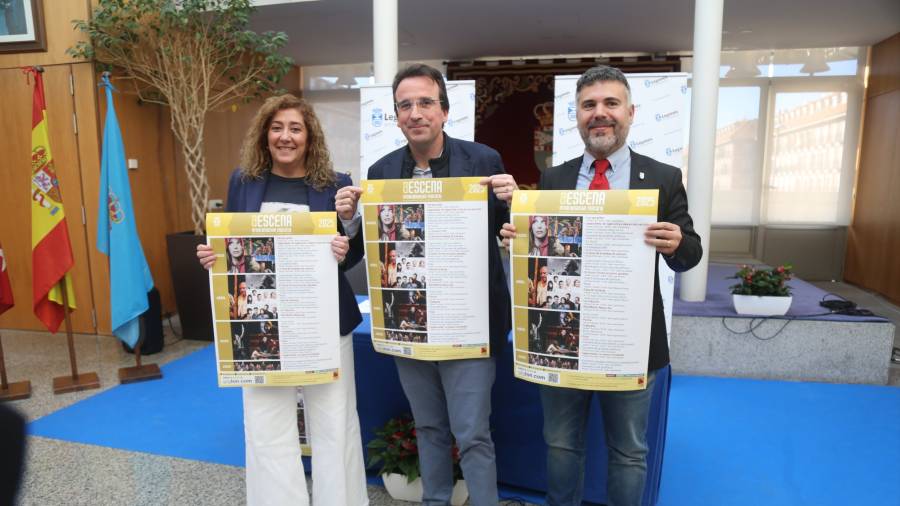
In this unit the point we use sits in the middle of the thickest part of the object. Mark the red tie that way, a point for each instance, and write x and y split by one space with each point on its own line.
600 182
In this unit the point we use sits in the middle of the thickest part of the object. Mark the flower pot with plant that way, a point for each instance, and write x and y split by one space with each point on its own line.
396 448
761 291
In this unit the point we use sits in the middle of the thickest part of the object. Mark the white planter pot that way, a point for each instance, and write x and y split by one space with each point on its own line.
399 489
761 305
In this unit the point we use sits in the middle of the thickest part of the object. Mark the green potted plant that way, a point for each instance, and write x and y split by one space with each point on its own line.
395 447
762 291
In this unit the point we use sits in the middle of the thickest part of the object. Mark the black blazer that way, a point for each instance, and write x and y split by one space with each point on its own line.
673 208
246 194
470 159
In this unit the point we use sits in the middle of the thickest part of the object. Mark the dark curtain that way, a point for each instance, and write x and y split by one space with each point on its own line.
514 105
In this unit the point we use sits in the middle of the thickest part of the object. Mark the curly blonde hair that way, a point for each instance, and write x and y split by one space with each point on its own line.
256 159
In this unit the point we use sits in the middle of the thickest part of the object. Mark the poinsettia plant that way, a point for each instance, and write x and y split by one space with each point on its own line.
396 448
762 281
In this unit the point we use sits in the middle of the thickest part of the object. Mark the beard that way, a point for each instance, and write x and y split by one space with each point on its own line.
601 146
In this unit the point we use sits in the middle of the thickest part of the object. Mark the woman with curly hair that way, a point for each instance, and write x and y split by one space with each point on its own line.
285 166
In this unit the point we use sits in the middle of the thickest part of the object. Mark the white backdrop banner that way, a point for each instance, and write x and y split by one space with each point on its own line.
658 132
378 130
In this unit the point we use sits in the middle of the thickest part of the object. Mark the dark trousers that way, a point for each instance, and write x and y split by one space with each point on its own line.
12 453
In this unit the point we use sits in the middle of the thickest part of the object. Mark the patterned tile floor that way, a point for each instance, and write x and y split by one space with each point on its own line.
63 473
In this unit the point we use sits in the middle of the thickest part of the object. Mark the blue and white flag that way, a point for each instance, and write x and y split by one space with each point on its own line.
117 237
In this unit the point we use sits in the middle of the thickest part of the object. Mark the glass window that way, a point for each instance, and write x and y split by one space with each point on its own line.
744 64
737 167
736 170
809 171
832 61
804 176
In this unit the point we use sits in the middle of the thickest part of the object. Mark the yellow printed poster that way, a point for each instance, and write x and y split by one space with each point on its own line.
582 287
427 267
274 298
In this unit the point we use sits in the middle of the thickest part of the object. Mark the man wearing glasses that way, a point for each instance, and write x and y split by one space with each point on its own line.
452 398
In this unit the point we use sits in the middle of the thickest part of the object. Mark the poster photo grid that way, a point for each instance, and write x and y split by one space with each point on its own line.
554 236
554 283
401 222
403 271
405 310
250 255
554 332
252 297
403 265
554 291
255 345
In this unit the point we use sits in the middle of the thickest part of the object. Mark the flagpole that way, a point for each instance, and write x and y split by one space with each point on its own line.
22 389
70 339
11 391
115 238
139 372
3 383
51 250
76 382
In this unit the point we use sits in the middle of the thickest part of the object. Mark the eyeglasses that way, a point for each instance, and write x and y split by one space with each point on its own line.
424 103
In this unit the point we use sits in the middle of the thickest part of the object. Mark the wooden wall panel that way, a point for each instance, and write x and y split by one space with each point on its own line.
224 136
159 188
223 132
58 16
182 202
874 235
61 111
15 228
884 69
85 100
170 153
891 281
869 233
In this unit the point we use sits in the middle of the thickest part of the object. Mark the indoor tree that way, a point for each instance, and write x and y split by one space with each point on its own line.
193 56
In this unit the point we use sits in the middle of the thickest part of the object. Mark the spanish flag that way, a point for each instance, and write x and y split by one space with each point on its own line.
51 251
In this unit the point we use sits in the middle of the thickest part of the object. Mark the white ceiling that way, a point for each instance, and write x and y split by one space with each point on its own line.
340 31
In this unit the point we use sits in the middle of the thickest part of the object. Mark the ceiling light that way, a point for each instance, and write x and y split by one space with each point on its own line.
815 63
744 66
